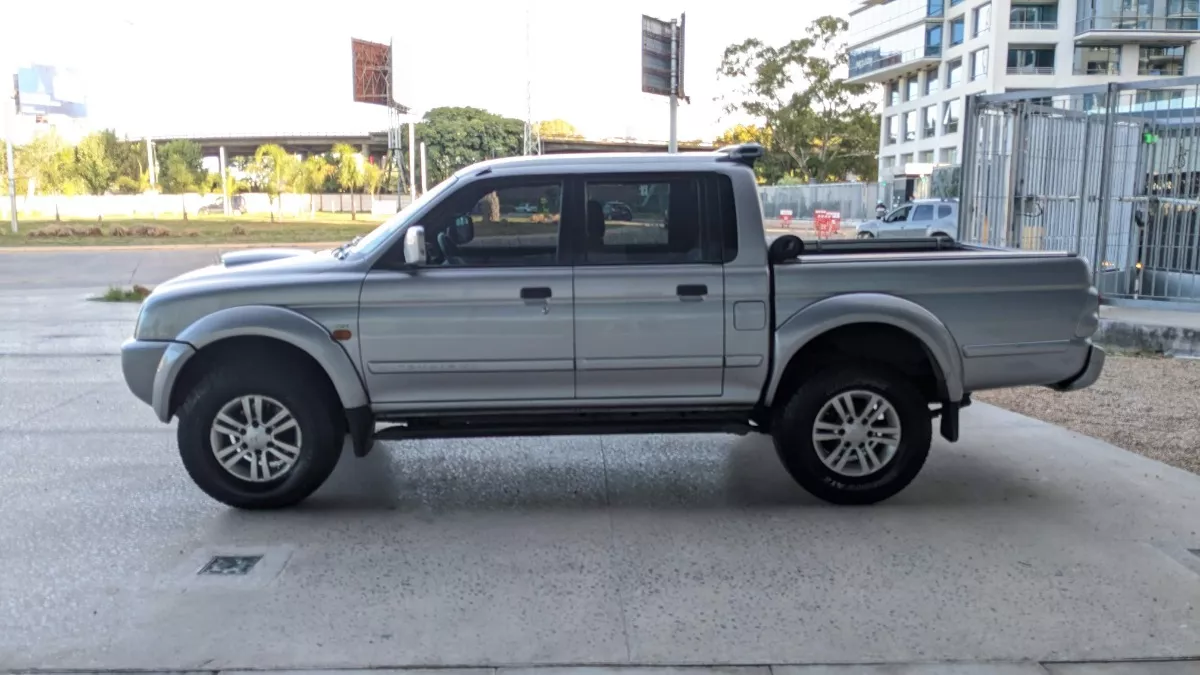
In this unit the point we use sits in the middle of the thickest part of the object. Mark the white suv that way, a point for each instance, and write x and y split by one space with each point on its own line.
918 218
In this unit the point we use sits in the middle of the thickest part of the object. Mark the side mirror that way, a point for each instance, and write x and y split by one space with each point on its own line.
414 245
785 248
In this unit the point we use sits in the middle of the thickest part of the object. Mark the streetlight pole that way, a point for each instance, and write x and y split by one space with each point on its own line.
8 152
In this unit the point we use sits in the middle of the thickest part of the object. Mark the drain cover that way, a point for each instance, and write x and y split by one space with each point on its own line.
230 565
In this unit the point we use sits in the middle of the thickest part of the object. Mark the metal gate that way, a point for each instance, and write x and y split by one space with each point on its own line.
1109 172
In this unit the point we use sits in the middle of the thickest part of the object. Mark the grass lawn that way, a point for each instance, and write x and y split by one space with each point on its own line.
247 229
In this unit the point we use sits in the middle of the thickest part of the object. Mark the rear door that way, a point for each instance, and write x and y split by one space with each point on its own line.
649 290
919 220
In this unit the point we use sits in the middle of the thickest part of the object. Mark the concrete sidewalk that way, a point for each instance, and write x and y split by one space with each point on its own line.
1173 667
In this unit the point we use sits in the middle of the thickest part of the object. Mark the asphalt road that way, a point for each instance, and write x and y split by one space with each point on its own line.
1022 542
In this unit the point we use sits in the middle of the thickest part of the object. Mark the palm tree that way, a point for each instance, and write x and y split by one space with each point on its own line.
313 174
349 173
276 166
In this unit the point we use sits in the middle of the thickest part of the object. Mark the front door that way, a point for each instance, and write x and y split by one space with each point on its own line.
490 318
649 291
895 222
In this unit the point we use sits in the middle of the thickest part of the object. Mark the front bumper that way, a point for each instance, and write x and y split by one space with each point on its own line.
1090 373
150 369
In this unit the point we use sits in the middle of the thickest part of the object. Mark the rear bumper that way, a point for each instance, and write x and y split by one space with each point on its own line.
1088 376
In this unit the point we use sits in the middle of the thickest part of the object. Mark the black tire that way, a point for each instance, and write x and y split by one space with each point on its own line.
792 429
317 416
865 235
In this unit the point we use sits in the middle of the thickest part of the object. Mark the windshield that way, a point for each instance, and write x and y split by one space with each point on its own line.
379 236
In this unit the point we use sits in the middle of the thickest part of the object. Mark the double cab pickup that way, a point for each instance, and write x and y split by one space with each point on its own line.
513 299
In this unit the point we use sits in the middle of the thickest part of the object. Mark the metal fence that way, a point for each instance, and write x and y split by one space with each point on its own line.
1111 172
855 201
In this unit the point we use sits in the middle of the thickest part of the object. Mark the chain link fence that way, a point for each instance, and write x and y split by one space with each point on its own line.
1110 172
855 201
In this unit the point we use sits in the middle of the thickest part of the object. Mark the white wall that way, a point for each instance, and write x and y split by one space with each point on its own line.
159 205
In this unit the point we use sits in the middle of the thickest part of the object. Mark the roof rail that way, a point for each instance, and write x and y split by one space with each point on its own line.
743 153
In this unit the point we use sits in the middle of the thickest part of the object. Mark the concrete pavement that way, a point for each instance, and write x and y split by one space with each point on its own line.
1023 544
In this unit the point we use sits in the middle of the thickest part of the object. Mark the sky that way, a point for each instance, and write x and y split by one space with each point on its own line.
266 66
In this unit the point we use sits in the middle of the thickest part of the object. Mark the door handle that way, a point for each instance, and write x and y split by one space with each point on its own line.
535 293
691 290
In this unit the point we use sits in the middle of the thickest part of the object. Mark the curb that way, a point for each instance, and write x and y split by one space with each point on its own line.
1171 341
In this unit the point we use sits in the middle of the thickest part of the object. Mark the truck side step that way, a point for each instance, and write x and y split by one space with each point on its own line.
565 424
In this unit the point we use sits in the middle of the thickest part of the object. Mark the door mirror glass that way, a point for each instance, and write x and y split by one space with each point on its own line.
414 245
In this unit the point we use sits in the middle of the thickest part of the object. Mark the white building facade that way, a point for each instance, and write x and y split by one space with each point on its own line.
930 54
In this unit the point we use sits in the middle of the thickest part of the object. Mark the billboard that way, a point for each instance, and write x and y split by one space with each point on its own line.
372 65
656 56
49 90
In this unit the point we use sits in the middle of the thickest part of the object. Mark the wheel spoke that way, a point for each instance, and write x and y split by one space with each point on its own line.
857 432
245 448
225 424
872 460
826 436
275 431
292 451
277 418
843 405
886 433
258 409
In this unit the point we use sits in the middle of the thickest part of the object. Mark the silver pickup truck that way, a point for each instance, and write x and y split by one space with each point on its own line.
507 301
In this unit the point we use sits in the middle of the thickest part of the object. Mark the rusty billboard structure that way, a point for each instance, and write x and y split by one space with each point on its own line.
374 82
1111 172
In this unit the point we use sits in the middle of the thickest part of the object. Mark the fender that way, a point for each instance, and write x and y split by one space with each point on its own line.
267 321
842 310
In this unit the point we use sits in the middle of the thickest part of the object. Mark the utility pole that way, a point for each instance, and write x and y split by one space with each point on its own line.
412 158
224 181
424 185
673 141
8 145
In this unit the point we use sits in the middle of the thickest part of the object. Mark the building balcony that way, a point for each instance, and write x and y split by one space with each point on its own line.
1098 69
1033 25
1030 70
876 66
1143 29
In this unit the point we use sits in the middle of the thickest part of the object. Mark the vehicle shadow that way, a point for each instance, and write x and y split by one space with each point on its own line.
639 472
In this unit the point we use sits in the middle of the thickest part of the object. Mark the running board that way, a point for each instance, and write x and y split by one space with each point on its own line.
565 424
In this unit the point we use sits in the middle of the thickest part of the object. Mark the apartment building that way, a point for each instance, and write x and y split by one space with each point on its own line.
928 55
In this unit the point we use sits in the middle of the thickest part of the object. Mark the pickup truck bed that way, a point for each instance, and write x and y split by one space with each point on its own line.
677 317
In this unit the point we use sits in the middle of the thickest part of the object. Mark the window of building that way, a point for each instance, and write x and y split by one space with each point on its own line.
906 158
893 89
951 111
926 157
910 125
1033 17
979 63
933 40
958 29
1158 95
891 132
1097 60
1131 15
1161 60
933 82
929 121
1095 101
1031 60
912 87
1175 7
633 221
955 2
935 7
887 162
949 155
478 227
953 73
981 20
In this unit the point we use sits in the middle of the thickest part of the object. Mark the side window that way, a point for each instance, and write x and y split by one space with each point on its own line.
944 211
638 221
924 212
899 215
510 225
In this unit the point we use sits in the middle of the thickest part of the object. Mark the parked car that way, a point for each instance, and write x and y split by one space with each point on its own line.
618 211
237 204
844 352
918 218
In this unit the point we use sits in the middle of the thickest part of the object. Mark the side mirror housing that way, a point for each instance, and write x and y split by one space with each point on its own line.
414 245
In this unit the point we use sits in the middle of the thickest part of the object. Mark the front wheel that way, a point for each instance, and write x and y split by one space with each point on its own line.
258 437
865 235
854 434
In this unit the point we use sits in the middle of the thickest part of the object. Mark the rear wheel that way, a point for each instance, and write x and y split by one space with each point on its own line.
854 434
258 437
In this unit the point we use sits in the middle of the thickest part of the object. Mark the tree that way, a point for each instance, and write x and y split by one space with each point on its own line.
458 137
93 163
349 173
557 129
372 177
314 172
276 168
815 121
180 166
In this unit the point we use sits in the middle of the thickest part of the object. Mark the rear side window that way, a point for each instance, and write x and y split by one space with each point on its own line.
923 212
652 220
944 211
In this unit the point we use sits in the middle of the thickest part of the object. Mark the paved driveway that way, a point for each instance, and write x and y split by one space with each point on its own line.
1024 541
